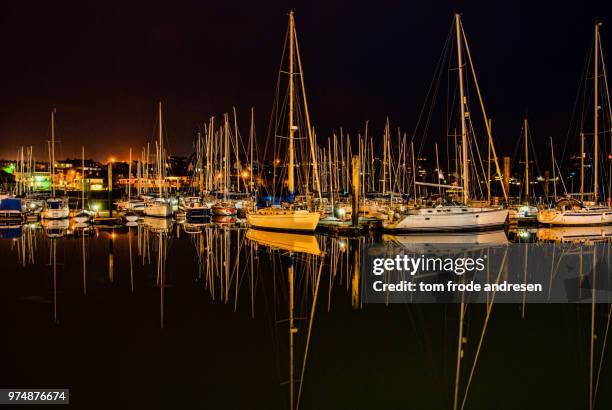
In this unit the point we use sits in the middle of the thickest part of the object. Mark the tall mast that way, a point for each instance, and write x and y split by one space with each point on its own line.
147 168
364 162
331 177
251 143
226 161
552 155
526 161
414 172
438 169
160 150
210 156
291 182
582 166
83 175
200 161
310 130
237 165
464 151
53 152
489 167
129 176
385 159
595 116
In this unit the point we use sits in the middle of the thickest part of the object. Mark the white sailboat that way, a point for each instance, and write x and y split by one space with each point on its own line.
448 218
84 215
159 207
524 212
571 211
194 207
289 218
131 206
55 207
451 216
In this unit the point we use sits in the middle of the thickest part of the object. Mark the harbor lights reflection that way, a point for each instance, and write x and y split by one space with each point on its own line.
228 276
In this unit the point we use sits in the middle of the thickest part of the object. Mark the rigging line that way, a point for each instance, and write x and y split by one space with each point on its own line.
484 114
601 358
276 94
480 161
608 111
517 146
435 83
482 334
581 84
307 119
433 88
534 152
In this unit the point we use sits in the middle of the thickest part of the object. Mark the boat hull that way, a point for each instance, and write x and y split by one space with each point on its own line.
55 213
200 212
450 220
576 218
158 210
224 211
284 220
132 218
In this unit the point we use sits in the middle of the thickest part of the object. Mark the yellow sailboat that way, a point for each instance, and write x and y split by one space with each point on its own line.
289 218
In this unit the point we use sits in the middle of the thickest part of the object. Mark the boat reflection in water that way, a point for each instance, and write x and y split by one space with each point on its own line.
294 249
457 242
153 237
224 220
158 225
467 238
575 234
56 228
291 242
11 231
296 297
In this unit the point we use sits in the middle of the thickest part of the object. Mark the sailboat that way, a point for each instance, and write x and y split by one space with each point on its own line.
55 207
463 215
159 207
288 218
524 212
225 207
131 205
130 215
84 215
569 210
195 207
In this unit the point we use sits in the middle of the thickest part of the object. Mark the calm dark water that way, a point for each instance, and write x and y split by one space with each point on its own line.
199 317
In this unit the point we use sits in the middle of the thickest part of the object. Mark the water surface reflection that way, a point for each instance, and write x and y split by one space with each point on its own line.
217 315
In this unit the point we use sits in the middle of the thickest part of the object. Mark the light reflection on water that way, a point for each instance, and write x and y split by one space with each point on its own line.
222 316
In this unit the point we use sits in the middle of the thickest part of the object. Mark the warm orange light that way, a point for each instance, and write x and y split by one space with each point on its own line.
277 161
245 174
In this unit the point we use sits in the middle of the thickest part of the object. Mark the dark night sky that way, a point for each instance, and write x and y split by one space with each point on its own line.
104 65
